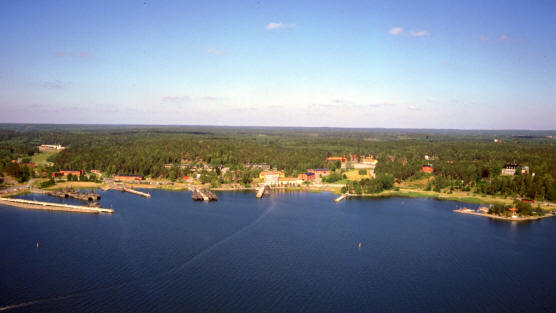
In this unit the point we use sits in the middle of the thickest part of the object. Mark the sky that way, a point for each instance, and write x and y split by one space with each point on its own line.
392 64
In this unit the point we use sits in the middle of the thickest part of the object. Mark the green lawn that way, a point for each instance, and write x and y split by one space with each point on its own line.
41 157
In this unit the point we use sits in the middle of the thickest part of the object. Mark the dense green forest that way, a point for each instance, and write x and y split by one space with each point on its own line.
465 160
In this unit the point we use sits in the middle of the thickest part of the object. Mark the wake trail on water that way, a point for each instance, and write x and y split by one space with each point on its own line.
170 271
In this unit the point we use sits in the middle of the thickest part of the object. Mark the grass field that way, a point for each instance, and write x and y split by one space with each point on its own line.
41 157
354 175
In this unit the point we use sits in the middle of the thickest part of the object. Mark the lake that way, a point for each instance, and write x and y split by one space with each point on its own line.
291 252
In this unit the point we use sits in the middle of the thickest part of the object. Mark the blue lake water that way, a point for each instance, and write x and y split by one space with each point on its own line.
291 252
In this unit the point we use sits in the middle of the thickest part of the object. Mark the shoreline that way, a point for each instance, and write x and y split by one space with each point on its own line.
504 218
403 192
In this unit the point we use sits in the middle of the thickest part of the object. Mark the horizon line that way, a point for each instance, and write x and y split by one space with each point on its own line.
276 126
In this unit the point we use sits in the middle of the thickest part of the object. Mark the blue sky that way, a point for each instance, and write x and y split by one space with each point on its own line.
410 64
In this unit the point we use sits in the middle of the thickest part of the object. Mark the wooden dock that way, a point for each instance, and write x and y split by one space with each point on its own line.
203 194
263 191
49 206
340 198
137 192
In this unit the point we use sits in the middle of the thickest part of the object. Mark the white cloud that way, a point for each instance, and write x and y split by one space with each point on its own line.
419 33
413 107
278 25
484 38
504 37
395 31
213 51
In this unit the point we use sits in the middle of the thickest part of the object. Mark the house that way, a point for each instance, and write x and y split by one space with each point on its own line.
496 140
56 174
262 166
128 177
483 209
96 172
187 179
271 178
509 169
51 148
319 171
336 158
307 176
264 173
72 172
427 168
289 181
525 170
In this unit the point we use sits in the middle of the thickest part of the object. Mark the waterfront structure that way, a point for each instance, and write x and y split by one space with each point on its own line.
427 168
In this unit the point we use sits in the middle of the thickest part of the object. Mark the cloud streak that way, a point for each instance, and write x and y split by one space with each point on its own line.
72 54
175 98
419 33
213 51
395 31
278 25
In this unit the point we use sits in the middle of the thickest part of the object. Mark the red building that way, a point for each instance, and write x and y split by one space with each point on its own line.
72 172
334 158
307 176
427 168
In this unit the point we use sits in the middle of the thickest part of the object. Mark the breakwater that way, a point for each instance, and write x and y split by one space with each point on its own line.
49 206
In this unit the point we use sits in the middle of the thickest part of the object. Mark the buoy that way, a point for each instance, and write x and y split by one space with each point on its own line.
359 244
37 244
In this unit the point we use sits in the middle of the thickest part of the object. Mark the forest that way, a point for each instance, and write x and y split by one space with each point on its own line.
462 160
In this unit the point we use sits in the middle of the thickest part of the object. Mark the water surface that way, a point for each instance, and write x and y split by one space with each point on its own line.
291 252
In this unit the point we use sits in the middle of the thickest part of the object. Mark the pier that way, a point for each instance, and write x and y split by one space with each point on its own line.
263 191
136 192
126 189
340 198
203 194
49 206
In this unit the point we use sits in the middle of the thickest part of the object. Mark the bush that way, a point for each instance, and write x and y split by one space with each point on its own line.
48 183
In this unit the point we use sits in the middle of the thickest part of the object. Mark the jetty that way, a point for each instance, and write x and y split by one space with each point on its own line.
126 189
136 192
340 198
203 194
50 206
263 191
